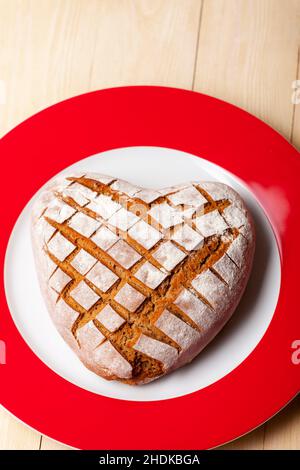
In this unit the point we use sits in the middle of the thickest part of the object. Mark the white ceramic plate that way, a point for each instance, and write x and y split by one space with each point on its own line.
150 167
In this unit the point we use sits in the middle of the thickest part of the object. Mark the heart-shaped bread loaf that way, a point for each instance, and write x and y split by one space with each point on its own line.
139 281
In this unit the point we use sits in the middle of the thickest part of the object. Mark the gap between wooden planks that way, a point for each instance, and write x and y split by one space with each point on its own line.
242 51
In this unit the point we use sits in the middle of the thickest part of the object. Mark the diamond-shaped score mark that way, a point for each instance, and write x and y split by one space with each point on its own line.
89 336
65 316
124 187
234 216
146 235
147 195
104 238
168 255
110 319
171 189
166 215
189 196
157 350
129 298
124 254
211 223
59 211
182 333
209 286
123 219
197 310
82 190
102 277
45 229
228 271
84 224
59 280
187 237
104 179
236 250
150 275
83 262
60 247
107 356
77 197
84 295
79 193
104 206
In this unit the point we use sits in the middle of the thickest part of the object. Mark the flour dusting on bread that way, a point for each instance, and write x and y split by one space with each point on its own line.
138 281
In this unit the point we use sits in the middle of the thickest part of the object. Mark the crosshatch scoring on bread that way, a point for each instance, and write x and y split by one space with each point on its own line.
138 281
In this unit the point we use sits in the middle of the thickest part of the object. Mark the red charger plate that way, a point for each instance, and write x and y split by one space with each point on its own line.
132 116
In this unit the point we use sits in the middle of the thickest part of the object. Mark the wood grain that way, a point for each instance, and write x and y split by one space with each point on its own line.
247 55
242 51
283 431
15 435
54 49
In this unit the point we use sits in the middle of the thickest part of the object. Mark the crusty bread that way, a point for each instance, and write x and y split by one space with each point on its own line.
139 281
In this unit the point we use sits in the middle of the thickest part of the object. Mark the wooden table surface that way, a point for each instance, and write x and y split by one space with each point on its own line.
243 51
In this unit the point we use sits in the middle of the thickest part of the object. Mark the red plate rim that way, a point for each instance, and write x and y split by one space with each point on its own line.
201 125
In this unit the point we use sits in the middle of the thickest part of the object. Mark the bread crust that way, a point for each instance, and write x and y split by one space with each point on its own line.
154 343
